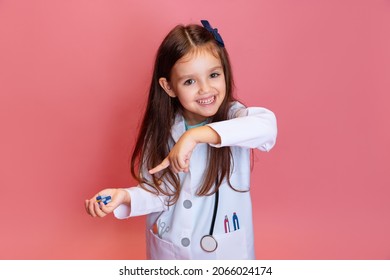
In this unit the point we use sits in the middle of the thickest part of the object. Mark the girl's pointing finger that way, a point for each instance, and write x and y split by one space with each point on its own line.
164 164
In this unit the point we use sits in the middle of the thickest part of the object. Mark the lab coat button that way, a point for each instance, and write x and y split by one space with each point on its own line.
187 204
185 242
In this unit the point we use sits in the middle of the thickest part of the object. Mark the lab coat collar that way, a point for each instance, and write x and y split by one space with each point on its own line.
178 127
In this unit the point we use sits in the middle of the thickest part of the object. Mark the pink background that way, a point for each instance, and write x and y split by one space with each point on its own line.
73 82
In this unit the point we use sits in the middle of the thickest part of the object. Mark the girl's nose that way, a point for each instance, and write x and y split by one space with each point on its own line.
204 88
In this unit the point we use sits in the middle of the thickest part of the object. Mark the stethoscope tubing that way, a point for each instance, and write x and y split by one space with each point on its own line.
216 200
208 243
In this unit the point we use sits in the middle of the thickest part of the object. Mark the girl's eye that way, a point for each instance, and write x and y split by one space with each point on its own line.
214 75
189 82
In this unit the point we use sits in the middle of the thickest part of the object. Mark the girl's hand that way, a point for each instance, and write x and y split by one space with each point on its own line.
118 196
178 158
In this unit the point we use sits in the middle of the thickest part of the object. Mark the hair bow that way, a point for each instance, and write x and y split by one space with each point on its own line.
213 31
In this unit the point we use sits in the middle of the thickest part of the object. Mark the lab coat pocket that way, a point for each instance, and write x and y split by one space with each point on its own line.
159 249
232 246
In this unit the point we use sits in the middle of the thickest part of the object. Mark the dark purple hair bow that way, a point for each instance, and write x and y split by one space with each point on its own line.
213 31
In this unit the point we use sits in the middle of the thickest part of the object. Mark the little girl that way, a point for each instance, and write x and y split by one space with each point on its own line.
192 155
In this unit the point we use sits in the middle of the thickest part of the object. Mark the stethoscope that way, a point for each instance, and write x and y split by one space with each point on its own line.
208 243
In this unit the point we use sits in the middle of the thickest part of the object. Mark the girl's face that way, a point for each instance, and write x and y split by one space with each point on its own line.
198 81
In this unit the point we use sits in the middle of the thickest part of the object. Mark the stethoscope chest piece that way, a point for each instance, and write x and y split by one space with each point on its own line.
208 243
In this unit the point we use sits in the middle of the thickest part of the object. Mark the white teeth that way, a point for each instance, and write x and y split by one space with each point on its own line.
206 101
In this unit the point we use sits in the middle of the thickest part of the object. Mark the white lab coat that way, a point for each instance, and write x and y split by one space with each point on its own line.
181 226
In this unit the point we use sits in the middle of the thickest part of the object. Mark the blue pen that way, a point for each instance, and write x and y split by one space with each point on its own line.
100 197
108 200
236 224
104 199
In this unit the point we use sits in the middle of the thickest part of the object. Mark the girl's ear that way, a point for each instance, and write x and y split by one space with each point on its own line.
166 86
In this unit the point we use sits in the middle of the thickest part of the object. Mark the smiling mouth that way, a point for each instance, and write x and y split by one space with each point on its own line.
206 101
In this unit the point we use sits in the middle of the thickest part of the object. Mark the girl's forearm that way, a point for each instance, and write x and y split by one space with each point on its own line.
204 134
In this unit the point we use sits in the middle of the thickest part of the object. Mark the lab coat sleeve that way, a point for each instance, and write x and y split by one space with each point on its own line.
252 127
143 200
142 203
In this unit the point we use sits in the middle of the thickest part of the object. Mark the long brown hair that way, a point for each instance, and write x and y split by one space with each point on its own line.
152 144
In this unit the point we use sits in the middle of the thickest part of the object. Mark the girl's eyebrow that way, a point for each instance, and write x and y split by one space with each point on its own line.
187 76
219 67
